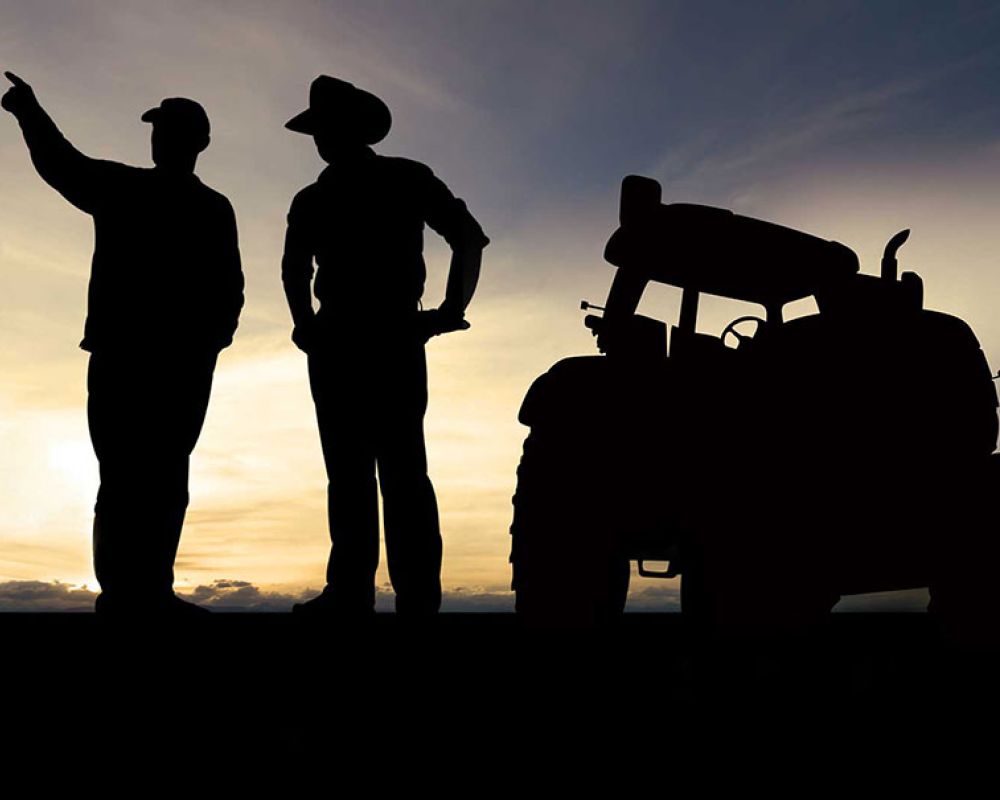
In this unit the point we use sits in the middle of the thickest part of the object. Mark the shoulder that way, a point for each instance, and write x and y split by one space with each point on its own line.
215 198
115 184
406 169
418 181
124 170
118 172
306 208
305 199
214 204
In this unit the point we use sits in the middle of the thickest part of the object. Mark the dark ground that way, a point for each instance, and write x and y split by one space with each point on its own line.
256 690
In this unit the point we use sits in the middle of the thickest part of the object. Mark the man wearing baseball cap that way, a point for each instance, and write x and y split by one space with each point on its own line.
362 223
166 289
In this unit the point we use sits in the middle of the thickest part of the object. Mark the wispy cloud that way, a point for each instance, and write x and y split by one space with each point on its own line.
727 163
44 596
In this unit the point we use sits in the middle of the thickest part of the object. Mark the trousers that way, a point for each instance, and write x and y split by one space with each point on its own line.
370 404
145 413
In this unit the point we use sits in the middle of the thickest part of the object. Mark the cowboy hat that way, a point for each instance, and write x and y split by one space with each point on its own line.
338 105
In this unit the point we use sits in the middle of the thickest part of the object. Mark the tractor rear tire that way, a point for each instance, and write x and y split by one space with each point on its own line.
568 571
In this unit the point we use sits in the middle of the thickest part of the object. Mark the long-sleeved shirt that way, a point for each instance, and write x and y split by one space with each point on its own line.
363 224
166 270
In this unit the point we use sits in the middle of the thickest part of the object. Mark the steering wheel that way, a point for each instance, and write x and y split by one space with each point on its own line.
741 337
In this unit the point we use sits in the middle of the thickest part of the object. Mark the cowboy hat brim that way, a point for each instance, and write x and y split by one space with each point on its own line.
303 123
310 123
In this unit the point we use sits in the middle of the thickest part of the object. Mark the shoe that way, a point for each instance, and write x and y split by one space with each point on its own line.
125 607
176 607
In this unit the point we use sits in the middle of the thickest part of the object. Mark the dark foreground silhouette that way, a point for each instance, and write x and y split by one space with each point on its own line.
242 693
166 289
846 451
362 223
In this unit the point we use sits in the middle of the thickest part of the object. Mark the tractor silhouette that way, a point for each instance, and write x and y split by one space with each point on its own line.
775 467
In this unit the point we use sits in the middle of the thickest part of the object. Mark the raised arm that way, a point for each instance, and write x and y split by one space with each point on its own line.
296 276
74 175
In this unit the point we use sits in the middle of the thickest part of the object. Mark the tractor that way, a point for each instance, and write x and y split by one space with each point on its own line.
775 467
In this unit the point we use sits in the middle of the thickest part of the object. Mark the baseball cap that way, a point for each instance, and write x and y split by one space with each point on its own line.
181 113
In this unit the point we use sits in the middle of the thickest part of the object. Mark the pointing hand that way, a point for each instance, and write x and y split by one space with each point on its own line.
19 96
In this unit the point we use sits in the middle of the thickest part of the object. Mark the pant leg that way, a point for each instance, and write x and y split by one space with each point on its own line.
112 417
339 386
180 407
412 532
145 415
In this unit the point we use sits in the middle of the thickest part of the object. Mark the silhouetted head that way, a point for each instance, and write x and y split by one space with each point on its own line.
180 133
342 119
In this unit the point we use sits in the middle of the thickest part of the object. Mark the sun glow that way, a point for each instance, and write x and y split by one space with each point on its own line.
73 461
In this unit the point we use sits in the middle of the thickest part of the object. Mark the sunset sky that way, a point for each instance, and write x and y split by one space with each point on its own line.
849 120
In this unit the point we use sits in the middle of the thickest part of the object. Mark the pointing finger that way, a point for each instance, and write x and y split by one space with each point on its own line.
14 79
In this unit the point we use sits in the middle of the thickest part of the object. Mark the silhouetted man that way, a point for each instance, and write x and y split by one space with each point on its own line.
362 222
166 289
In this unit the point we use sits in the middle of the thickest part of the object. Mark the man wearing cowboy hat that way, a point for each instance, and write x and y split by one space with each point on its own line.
166 289
362 224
